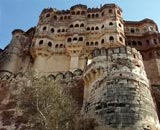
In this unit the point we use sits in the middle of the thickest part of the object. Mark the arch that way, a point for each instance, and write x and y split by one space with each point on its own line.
110 11
50 44
52 30
96 43
92 28
139 43
65 17
56 46
47 15
61 46
69 39
40 42
80 38
102 13
155 41
61 18
75 39
44 28
110 23
129 43
76 25
83 13
55 17
92 44
71 26
102 27
102 41
78 13
88 16
73 13
134 43
97 15
132 30
119 25
120 38
63 30
111 38
58 30
93 15
87 43
97 28
88 28
82 25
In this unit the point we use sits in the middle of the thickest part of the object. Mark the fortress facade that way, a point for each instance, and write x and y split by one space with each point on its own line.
116 61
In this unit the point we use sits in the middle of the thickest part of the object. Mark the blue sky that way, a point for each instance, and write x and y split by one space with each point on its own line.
23 14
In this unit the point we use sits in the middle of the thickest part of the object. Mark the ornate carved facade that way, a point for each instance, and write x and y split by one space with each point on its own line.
118 62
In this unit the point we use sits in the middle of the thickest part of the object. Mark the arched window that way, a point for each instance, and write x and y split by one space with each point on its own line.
48 15
74 39
110 23
129 43
92 28
44 28
73 13
97 15
155 41
61 46
134 43
87 43
102 41
65 17
96 43
82 25
71 26
69 17
80 38
102 27
50 44
69 40
83 13
92 43
78 13
55 17
120 38
52 30
132 30
119 25
61 18
88 28
110 11
56 46
102 13
97 28
88 15
58 30
118 12
76 25
147 42
92 15
111 38
139 43
40 42
63 30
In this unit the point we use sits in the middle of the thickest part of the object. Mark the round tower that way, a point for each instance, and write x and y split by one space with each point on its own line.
13 54
117 91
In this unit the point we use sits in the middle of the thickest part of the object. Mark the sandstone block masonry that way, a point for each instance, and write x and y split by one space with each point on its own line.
121 84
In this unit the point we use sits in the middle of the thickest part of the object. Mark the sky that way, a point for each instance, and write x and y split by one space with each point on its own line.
23 14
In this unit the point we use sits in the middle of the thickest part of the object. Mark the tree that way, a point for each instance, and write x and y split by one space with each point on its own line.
47 105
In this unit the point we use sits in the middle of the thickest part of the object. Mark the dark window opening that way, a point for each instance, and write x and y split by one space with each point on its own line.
102 41
97 28
111 38
92 43
83 12
44 28
97 15
82 25
139 43
58 30
102 26
155 41
120 38
102 13
52 30
80 38
75 39
129 43
78 12
92 28
56 46
63 30
40 42
88 15
73 13
71 26
110 11
120 25
77 25
55 17
49 44
147 42
65 17
134 43
96 43
132 30
92 15
61 46
88 28
110 23
69 40
48 15
61 18
87 43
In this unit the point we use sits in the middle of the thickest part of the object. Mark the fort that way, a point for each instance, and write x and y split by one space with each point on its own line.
115 63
